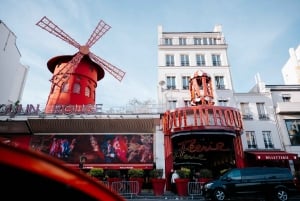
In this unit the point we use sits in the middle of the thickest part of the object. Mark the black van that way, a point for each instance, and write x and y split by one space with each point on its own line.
269 183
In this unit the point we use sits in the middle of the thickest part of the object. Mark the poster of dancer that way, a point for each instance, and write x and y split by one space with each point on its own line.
109 148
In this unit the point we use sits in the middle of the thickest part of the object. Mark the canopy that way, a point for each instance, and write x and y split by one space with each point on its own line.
273 155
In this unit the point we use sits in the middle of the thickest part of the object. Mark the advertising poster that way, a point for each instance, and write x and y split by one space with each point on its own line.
106 149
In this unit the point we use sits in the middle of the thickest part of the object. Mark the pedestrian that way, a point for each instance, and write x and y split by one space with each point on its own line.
173 184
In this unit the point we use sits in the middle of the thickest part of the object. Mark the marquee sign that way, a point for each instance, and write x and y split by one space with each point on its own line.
30 109
204 117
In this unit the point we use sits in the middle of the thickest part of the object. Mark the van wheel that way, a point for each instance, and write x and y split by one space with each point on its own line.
281 195
219 195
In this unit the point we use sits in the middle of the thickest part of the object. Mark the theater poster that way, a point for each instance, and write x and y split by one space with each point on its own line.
97 149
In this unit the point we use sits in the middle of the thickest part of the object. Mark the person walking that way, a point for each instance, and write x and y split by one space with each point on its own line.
173 184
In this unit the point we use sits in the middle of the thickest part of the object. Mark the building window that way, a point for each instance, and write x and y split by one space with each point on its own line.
200 60
182 41
87 92
205 41
286 97
172 104
185 82
171 82
261 111
293 129
168 41
212 41
267 139
219 80
76 88
223 102
65 87
197 41
216 60
184 59
170 60
246 111
251 141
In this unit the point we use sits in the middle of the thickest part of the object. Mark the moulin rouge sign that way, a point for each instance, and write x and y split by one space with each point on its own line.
30 109
202 117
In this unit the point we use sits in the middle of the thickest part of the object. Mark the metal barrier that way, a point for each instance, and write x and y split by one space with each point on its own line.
125 188
105 183
195 189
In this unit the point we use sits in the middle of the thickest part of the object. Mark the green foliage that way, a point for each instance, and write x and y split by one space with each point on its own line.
134 173
156 173
206 173
112 173
96 172
184 173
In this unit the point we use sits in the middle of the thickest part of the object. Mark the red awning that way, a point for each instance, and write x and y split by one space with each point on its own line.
273 155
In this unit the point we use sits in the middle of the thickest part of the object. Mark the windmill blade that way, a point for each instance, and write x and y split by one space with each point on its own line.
99 31
49 26
75 60
64 73
113 70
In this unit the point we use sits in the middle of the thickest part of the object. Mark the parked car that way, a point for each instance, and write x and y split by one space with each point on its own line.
269 183
30 175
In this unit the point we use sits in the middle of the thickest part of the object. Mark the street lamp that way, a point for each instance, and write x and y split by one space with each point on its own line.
161 84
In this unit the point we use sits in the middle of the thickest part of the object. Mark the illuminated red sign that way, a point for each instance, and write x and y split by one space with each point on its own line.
204 117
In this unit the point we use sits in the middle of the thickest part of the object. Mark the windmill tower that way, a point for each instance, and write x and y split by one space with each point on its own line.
75 77
201 89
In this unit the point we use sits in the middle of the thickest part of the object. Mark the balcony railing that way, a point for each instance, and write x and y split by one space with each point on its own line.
247 116
252 146
263 117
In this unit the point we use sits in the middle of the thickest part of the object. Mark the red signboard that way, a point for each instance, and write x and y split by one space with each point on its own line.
274 155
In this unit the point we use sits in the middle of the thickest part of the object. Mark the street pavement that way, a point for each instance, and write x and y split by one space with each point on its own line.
169 196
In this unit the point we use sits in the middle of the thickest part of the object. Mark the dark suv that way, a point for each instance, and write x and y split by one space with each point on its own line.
269 183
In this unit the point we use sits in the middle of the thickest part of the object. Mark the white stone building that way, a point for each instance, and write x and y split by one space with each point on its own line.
13 73
180 54
291 69
264 108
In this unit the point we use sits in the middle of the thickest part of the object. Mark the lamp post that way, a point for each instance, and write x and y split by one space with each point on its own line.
161 84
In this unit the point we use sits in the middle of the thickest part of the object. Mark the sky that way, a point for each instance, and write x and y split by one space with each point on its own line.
259 34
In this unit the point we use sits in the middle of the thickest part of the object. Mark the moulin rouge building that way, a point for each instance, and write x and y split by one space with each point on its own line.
197 123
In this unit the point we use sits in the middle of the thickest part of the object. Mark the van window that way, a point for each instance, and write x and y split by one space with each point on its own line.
254 173
234 174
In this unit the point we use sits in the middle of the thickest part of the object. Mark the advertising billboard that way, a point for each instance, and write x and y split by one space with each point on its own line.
97 149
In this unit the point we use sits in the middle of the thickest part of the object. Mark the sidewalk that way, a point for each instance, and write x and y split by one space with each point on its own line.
168 195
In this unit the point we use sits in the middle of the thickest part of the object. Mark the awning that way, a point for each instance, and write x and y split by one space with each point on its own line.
273 155
14 127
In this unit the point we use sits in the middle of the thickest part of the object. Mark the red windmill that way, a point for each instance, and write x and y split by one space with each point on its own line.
75 77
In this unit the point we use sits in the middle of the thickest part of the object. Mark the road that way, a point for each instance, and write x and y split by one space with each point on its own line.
174 198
